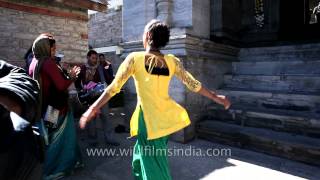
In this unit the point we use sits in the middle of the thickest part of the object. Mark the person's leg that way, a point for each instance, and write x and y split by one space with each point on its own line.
150 156
107 126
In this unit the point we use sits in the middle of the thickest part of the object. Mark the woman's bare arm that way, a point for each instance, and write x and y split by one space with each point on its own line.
220 99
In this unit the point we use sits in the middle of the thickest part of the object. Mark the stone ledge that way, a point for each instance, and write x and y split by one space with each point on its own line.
293 147
185 45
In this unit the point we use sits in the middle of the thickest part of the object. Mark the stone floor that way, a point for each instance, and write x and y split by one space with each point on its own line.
239 164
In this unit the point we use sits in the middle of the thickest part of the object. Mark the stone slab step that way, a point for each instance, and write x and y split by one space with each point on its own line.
278 120
274 100
295 147
276 68
304 52
298 84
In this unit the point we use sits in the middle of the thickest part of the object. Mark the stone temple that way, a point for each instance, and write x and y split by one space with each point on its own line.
263 54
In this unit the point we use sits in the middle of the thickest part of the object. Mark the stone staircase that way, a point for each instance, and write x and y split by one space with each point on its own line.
275 93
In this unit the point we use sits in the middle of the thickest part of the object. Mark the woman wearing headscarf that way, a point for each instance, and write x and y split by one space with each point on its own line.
157 115
56 118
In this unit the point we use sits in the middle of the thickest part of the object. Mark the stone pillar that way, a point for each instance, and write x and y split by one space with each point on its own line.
135 15
164 11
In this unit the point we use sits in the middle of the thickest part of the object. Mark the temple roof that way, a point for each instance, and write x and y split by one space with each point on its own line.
96 5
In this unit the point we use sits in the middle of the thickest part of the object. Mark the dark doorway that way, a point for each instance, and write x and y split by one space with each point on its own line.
296 21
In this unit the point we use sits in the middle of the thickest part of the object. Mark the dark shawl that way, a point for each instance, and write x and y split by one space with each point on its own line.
18 85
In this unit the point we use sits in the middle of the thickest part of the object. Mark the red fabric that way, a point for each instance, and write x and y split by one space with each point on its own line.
51 77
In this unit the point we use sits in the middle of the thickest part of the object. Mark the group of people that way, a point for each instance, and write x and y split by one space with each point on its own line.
97 70
44 104
156 115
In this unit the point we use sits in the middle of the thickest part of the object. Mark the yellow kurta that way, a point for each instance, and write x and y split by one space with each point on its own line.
162 115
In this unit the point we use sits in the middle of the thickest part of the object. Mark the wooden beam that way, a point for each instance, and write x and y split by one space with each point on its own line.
44 11
85 4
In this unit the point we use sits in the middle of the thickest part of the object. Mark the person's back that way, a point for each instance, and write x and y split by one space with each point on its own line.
21 153
156 115
152 74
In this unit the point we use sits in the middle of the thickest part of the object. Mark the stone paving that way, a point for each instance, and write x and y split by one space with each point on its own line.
239 164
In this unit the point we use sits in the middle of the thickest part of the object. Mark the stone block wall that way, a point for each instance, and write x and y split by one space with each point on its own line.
183 16
22 23
135 16
201 19
105 29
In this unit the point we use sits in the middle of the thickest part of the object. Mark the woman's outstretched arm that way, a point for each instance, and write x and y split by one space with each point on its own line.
124 72
194 85
220 99
94 109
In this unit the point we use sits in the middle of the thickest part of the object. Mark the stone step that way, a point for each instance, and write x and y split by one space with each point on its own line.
301 123
274 100
304 52
276 68
291 84
295 147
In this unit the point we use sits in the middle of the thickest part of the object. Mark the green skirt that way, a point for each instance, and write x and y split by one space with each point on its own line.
62 154
150 160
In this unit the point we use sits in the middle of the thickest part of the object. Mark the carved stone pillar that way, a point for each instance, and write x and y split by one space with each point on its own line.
164 8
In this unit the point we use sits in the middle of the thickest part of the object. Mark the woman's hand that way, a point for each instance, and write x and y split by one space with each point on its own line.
74 72
221 99
88 116
224 101
106 67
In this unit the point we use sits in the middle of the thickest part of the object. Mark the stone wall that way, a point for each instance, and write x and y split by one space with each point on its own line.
19 28
183 16
105 29
201 19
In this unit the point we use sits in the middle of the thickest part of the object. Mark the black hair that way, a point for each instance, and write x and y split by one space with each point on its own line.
91 52
52 42
159 33
101 55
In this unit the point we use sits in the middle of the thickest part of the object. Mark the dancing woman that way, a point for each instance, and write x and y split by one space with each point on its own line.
156 115
62 150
